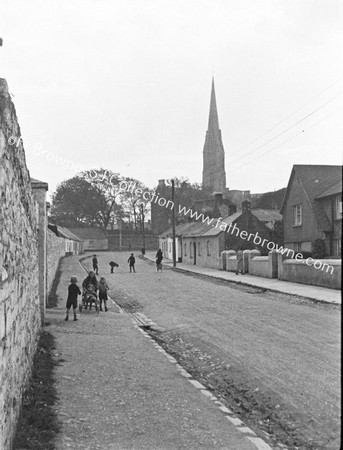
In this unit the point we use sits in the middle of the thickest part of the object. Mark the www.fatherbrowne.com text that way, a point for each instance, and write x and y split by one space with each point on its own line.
223 226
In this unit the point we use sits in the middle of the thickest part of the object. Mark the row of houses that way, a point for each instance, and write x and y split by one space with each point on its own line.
202 244
311 210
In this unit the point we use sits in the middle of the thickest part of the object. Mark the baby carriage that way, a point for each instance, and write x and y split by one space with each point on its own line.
89 297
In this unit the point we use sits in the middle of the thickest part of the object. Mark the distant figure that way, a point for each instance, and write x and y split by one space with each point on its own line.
73 292
143 251
103 288
132 262
95 264
240 261
159 257
113 265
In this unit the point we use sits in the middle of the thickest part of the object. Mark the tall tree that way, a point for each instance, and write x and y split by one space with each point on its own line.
134 204
76 203
91 198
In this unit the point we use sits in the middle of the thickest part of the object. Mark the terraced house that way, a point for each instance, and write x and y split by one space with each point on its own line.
312 208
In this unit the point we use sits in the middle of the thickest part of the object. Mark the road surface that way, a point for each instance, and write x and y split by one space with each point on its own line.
278 355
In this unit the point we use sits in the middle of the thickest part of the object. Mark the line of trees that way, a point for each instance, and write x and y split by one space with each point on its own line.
94 198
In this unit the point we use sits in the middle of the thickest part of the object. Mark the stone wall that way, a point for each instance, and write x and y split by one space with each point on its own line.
131 242
20 319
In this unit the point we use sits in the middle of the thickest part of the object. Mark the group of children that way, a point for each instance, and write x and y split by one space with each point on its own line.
93 291
91 286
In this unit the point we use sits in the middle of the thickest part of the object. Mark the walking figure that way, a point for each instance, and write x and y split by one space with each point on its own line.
159 257
73 292
131 262
95 264
103 288
240 261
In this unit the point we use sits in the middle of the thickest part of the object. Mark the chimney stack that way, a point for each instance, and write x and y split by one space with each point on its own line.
246 206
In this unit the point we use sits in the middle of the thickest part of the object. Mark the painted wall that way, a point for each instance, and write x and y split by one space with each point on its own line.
206 252
299 272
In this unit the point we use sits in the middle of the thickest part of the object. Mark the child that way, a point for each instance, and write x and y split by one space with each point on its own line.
159 257
95 264
103 288
131 262
90 296
239 257
113 265
73 292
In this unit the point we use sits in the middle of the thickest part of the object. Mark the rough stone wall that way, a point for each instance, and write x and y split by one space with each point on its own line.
19 299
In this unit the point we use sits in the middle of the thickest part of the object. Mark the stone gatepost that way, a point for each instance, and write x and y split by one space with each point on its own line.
222 261
280 258
273 263
229 254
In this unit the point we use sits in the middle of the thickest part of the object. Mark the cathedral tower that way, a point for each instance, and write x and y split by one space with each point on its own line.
213 175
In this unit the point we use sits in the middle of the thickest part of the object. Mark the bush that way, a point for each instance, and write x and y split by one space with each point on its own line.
318 249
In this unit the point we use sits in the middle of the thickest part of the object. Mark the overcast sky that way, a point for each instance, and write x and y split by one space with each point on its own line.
125 85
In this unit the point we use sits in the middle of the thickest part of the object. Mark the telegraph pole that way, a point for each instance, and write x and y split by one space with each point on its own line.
143 231
173 200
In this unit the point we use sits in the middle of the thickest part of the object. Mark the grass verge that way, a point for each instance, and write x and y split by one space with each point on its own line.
38 424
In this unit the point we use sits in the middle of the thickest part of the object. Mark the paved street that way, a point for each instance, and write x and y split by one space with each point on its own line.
117 389
287 348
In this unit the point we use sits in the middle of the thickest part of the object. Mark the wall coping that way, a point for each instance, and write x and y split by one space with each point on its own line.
332 262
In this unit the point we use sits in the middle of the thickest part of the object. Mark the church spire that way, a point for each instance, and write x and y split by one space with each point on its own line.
213 175
213 123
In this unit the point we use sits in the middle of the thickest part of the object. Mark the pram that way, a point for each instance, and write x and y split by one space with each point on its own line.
89 296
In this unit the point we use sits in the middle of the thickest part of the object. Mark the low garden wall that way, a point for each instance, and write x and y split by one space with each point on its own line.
320 272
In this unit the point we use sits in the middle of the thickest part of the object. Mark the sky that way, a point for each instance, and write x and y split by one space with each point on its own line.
125 85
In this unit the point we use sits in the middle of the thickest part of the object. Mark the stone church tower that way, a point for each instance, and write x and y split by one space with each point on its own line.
213 175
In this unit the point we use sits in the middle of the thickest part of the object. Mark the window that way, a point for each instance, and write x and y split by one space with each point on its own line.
190 249
199 249
208 245
297 215
339 247
338 207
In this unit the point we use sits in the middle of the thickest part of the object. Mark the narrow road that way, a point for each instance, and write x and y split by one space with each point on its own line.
283 352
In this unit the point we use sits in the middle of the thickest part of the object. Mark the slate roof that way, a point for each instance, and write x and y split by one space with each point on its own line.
194 229
88 233
333 190
63 232
39 184
267 216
